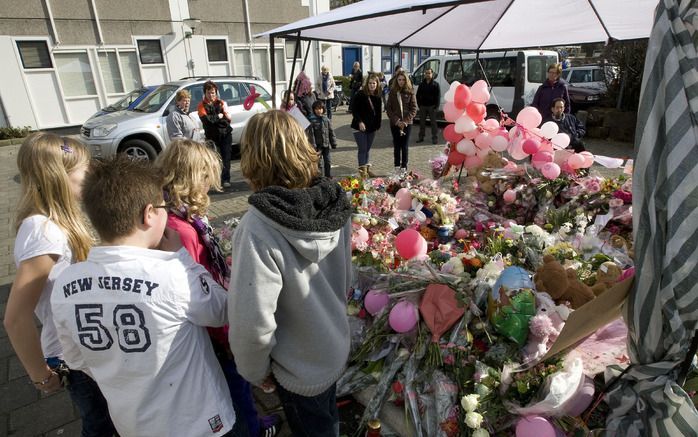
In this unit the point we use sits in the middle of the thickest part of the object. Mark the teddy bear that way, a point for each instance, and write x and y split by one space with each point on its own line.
562 285
544 327
607 275
484 182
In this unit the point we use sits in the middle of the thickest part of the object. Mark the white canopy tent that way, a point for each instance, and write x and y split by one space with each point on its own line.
473 25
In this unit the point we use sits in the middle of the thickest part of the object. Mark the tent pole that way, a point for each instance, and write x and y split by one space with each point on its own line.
273 71
305 58
296 52
462 70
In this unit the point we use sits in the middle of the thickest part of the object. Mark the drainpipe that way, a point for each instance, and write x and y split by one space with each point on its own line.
99 26
248 29
56 40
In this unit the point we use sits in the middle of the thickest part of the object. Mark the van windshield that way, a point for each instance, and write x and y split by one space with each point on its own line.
156 99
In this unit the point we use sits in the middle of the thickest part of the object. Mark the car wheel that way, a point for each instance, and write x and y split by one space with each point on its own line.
138 149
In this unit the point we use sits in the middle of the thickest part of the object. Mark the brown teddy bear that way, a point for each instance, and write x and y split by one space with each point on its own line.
562 285
492 161
606 277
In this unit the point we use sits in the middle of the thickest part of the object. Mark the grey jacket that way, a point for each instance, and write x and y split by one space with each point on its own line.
290 275
180 125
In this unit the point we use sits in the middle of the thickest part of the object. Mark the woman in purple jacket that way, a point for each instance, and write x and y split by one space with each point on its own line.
553 88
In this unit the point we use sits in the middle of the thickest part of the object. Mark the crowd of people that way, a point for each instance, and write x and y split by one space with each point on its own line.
154 319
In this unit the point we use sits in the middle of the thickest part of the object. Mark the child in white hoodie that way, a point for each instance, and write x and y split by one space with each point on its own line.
290 275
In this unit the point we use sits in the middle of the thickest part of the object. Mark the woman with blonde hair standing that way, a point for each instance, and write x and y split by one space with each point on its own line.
324 88
51 234
401 109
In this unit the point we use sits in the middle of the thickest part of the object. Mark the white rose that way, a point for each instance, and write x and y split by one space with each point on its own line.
470 402
481 432
473 420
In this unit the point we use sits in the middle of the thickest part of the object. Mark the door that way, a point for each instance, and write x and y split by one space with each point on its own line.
349 56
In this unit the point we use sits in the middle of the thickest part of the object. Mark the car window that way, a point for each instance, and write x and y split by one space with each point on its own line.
453 71
580 76
127 100
156 99
597 75
232 92
263 93
197 95
418 75
538 68
500 71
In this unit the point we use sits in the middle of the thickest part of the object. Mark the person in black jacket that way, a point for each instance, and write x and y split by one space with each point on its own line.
568 124
428 99
215 117
366 121
357 79
321 135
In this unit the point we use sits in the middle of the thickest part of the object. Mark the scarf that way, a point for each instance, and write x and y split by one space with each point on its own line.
325 82
220 268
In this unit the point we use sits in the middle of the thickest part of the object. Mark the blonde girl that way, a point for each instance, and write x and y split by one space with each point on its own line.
401 109
51 234
190 170
291 270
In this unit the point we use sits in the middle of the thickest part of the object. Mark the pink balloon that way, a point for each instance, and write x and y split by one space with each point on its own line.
460 234
375 301
472 161
476 111
423 248
499 143
451 113
540 158
549 129
451 135
588 159
581 400
534 426
479 84
561 156
482 153
560 140
516 151
545 146
529 117
465 124
550 170
408 243
576 161
361 234
509 196
461 97
491 125
483 140
404 199
530 146
510 166
471 135
455 158
480 95
403 317
466 147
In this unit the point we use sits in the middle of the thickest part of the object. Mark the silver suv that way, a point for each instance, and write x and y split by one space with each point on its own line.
142 131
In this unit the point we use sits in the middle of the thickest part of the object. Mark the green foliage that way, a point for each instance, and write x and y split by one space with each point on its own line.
14 132
345 84
629 56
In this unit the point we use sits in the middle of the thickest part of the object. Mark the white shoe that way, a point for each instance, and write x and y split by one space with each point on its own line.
397 171
403 171
226 184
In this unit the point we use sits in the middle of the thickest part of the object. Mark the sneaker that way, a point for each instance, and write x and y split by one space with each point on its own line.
403 171
226 184
397 171
434 141
269 426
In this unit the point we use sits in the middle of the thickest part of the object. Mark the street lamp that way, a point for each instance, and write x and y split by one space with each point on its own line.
191 23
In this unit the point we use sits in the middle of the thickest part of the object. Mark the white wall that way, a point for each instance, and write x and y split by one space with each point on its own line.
15 96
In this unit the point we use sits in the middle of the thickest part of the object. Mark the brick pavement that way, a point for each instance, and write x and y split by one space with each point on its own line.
25 412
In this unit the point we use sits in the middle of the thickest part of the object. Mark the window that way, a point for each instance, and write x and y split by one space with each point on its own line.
34 54
280 65
538 68
243 64
500 71
131 78
453 71
261 63
418 75
75 74
233 93
197 95
150 52
156 99
217 50
263 93
110 72
291 47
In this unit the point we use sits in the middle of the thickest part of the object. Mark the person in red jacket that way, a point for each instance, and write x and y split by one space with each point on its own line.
216 119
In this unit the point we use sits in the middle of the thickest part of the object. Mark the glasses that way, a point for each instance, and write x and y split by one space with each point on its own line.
162 206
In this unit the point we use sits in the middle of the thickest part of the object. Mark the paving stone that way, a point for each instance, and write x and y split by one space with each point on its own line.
4 364
6 349
17 393
68 430
14 368
42 416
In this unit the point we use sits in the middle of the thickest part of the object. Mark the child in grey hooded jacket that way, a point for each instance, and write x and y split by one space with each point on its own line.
290 275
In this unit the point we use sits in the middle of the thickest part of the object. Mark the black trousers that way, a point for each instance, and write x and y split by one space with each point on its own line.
400 145
224 145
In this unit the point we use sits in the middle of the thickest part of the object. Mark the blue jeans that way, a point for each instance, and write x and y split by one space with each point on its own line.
314 416
85 394
246 419
364 140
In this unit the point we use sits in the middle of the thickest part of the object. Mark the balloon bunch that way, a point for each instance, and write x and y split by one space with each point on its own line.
471 137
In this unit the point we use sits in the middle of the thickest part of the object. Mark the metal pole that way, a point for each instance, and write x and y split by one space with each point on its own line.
296 52
273 71
305 58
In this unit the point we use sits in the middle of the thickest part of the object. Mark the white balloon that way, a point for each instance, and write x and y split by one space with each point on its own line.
464 124
549 129
499 143
454 85
516 151
466 147
450 94
560 141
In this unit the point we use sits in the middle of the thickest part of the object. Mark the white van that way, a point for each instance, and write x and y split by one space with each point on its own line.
513 75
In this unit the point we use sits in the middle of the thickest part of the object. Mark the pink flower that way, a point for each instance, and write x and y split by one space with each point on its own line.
615 203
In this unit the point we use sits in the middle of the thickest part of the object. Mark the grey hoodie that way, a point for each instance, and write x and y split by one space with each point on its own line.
291 272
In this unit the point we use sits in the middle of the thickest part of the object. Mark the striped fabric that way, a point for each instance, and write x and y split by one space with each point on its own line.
662 308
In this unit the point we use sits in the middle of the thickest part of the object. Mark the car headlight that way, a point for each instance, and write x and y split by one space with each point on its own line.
103 131
592 98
